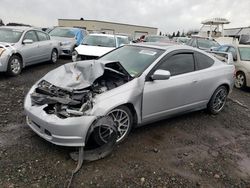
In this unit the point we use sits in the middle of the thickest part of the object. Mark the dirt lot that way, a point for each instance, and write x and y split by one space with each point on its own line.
193 150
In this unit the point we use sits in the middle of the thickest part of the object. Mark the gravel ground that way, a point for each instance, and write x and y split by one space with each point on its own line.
193 150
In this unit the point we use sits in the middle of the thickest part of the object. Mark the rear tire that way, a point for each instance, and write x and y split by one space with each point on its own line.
218 100
240 81
54 56
14 65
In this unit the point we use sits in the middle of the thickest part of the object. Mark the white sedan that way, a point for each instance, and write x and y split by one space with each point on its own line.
96 45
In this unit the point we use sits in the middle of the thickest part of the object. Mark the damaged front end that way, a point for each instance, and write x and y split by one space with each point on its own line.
59 107
72 99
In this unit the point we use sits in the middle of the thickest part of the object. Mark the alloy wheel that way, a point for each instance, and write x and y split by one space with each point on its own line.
240 80
54 56
15 65
122 122
220 99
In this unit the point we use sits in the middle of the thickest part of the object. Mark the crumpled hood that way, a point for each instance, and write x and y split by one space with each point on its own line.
76 75
93 50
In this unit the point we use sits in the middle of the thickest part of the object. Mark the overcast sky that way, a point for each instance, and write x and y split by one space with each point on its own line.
166 15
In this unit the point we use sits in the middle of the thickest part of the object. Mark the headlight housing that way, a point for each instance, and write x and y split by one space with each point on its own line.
66 43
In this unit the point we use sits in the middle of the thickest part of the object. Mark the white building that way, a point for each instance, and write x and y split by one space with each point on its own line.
108 27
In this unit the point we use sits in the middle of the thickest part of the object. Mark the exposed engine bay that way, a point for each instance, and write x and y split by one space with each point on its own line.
65 102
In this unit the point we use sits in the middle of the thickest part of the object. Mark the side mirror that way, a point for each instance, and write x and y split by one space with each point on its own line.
27 41
161 75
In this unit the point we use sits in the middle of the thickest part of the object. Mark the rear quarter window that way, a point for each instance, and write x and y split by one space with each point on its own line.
203 61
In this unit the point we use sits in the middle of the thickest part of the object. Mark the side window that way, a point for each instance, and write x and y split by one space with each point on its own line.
42 36
203 61
31 35
179 64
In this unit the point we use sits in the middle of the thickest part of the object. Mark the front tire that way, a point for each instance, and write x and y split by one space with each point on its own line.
123 120
54 56
14 65
218 100
240 81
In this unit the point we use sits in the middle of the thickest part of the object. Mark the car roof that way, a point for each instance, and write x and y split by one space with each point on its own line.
108 35
164 46
21 28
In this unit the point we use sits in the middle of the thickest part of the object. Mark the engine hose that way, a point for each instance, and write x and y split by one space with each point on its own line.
98 153
78 167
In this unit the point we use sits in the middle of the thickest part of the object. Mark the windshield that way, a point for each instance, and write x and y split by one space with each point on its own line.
154 38
122 40
10 35
62 32
202 43
96 40
134 59
244 53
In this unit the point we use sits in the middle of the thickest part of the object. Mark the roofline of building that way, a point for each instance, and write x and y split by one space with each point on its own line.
110 23
238 28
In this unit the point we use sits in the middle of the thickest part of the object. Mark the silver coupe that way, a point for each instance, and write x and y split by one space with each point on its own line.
133 85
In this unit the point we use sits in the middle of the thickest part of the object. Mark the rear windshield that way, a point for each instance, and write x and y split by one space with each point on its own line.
10 35
244 53
62 32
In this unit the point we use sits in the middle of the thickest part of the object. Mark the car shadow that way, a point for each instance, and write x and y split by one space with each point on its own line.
32 69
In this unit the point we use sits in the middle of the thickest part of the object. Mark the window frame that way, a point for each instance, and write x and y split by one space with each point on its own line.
47 36
166 58
196 61
34 33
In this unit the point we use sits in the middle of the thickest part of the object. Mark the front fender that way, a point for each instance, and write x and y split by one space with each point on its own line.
130 93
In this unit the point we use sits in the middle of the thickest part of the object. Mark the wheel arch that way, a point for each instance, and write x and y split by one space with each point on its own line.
20 56
133 112
242 71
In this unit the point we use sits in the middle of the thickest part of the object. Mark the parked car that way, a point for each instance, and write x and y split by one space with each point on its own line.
23 46
96 45
69 38
241 57
133 85
203 43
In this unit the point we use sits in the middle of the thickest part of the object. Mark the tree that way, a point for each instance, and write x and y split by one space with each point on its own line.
183 34
18 24
1 22
173 35
178 34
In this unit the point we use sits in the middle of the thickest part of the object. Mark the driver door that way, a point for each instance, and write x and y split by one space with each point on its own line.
165 97
30 52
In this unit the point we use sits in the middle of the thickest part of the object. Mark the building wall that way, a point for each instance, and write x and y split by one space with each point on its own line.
108 27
